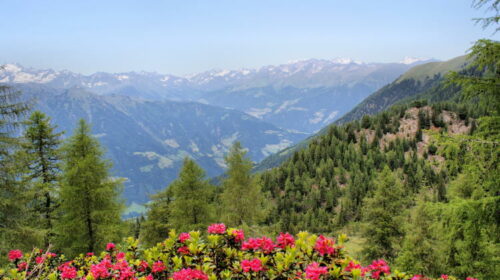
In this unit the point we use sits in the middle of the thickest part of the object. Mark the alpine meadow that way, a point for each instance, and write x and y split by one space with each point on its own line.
313 169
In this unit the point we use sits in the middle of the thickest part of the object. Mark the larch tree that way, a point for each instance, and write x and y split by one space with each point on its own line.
381 215
90 199
242 201
14 230
42 150
191 209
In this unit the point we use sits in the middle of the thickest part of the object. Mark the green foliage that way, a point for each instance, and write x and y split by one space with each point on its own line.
155 228
15 230
90 205
242 201
191 209
382 216
421 252
482 81
42 150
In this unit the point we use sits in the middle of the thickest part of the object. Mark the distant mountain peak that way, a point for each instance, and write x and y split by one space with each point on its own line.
411 60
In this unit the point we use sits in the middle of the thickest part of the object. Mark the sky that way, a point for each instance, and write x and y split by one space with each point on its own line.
183 37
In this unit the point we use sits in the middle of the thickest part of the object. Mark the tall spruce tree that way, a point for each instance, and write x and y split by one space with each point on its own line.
191 209
90 199
42 149
381 214
14 230
242 200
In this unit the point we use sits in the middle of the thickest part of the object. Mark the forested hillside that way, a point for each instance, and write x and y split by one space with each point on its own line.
422 82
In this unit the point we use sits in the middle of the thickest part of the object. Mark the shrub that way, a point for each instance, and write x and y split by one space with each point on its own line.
223 254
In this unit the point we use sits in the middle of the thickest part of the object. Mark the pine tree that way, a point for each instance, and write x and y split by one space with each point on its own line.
242 199
43 156
381 214
90 204
14 230
156 226
191 209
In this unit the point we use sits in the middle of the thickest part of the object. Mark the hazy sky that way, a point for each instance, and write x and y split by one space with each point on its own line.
182 37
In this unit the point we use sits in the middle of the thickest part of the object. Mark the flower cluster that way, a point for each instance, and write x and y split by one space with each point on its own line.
223 254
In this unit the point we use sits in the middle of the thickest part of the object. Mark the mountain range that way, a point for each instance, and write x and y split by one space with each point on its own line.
148 122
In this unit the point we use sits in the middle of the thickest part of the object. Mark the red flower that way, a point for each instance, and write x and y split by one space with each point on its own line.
110 246
142 266
15 255
352 265
324 246
444 276
184 236
252 265
284 240
314 271
183 250
158 267
377 267
470 278
217 229
90 254
189 274
68 272
39 260
238 235
120 255
265 244
22 266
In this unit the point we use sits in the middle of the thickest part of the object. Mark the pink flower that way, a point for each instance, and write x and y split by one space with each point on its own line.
324 246
183 250
217 229
100 270
22 266
110 246
120 255
158 267
314 271
189 274
252 265
149 277
39 260
352 265
285 240
142 266
68 272
377 267
418 277
90 254
238 235
470 278
264 244
15 255
184 236
444 276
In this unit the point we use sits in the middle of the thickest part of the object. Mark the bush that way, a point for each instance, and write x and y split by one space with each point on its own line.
224 254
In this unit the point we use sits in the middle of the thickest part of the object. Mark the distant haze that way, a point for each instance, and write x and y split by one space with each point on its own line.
182 37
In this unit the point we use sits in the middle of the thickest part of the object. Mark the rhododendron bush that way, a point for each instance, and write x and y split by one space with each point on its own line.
223 254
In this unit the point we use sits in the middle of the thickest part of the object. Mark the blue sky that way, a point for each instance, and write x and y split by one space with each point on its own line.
182 37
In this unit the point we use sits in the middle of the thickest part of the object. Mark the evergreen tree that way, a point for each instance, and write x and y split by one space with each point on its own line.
14 230
421 252
191 209
381 214
242 200
43 156
90 199
156 226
